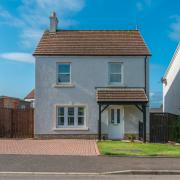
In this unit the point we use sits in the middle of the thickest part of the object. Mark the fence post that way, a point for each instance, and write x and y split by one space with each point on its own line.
144 123
12 124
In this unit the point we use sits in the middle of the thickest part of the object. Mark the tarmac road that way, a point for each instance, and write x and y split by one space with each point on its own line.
82 164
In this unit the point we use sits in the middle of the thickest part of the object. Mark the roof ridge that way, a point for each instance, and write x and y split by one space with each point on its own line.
61 30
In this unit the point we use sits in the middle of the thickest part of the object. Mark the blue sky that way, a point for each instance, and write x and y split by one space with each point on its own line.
23 21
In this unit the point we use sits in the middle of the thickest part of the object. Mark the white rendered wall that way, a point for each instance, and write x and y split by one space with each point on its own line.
171 90
87 74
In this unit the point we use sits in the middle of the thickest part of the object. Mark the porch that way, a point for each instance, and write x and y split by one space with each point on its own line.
114 100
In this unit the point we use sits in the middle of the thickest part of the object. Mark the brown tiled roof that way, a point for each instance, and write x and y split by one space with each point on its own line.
31 95
92 42
121 95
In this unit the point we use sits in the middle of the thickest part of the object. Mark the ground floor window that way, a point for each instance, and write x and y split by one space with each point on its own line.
70 116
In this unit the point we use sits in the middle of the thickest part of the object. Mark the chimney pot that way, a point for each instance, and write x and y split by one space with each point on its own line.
53 22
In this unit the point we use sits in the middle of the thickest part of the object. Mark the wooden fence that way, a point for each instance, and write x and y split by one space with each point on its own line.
16 123
163 127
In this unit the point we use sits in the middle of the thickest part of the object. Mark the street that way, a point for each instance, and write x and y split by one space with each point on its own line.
79 177
84 164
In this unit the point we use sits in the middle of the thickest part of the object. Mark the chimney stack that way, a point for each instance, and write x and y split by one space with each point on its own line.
53 22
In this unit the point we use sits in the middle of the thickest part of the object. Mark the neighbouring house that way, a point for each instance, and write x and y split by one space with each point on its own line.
91 83
13 103
31 98
171 85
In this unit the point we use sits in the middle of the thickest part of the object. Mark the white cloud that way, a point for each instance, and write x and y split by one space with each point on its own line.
155 99
156 67
175 28
139 6
33 17
148 2
29 37
10 19
142 4
18 56
151 94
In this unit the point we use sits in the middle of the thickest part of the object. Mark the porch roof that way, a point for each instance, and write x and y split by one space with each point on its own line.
121 95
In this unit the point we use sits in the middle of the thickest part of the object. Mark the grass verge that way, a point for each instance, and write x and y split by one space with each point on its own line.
137 149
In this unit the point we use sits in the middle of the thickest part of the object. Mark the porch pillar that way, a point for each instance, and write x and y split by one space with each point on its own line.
144 122
99 123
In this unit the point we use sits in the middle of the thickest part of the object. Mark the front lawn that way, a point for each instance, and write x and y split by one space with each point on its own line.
137 149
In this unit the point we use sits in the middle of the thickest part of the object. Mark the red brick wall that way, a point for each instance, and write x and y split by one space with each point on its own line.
9 103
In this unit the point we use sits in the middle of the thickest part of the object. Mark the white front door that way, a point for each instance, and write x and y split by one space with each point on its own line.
116 123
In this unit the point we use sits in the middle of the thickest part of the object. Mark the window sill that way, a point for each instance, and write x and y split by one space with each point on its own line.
63 85
116 85
71 129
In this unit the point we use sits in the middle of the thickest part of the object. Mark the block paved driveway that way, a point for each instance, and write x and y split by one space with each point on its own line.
74 147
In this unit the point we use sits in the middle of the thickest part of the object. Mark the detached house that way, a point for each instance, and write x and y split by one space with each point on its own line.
171 85
91 83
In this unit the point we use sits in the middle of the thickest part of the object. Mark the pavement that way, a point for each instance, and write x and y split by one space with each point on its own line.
86 164
76 147
97 177
60 157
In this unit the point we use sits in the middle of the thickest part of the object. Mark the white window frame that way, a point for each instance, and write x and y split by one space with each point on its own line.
75 126
122 74
57 73
80 116
70 116
115 109
59 116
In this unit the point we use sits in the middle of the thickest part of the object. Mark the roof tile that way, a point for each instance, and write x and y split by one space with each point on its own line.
121 95
92 42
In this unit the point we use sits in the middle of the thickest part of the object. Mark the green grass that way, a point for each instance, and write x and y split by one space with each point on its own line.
137 149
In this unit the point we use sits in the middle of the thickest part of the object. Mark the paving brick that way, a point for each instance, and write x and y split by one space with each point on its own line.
78 147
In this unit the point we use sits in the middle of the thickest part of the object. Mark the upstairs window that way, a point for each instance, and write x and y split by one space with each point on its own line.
63 73
115 73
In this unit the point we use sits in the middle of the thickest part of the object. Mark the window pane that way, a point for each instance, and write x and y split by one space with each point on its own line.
80 111
115 78
112 115
64 68
71 121
71 116
63 78
80 121
118 116
61 111
115 68
71 111
60 121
